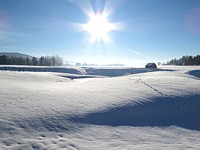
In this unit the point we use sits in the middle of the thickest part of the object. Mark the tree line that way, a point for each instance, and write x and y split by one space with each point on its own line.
185 60
34 61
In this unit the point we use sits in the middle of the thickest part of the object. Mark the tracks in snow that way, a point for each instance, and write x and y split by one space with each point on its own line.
34 94
183 111
148 85
19 99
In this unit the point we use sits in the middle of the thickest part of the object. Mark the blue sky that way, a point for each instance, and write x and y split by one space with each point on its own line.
150 30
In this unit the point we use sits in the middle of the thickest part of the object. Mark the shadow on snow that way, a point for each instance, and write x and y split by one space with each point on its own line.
179 111
114 72
160 112
195 73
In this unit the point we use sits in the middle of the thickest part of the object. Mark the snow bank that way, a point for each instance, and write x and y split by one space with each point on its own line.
41 69
87 72
113 72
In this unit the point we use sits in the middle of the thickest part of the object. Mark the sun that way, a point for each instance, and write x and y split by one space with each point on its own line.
98 27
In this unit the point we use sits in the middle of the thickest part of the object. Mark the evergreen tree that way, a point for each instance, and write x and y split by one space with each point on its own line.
34 61
185 60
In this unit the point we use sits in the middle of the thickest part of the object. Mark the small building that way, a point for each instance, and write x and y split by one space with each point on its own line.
151 65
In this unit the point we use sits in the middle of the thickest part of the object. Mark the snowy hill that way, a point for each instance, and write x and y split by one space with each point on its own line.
141 109
14 54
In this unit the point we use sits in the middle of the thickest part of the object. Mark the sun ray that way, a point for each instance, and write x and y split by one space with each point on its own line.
98 25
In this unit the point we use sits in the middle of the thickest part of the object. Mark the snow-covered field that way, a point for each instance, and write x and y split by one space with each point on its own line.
100 108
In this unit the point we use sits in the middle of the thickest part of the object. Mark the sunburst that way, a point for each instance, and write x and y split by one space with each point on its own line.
98 25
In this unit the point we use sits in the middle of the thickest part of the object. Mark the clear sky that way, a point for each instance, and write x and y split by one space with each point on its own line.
138 31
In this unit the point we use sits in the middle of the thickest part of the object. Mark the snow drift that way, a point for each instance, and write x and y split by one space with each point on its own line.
161 112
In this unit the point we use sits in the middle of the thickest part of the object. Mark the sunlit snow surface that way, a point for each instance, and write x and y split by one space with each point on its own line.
97 108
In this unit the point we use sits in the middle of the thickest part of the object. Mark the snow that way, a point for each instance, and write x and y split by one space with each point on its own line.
100 108
195 73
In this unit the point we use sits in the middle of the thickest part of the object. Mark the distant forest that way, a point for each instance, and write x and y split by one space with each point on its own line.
58 61
32 61
185 60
